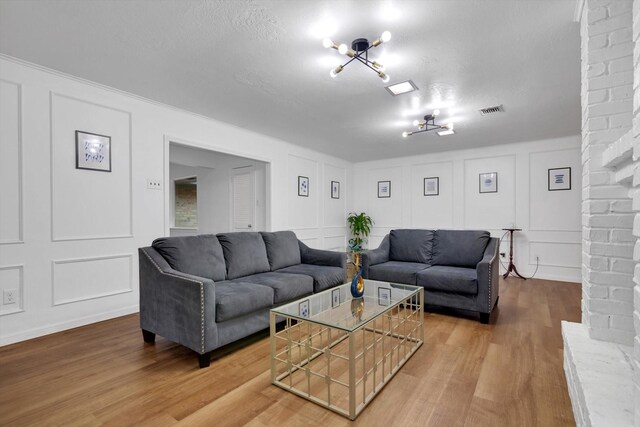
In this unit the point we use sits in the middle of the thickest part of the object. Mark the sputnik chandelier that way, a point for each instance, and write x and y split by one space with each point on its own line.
429 123
359 52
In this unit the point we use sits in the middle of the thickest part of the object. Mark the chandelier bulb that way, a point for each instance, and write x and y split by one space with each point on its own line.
416 122
436 112
343 48
385 77
333 73
327 42
386 36
405 134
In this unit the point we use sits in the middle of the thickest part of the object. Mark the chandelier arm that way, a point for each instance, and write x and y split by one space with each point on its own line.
365 63
349 62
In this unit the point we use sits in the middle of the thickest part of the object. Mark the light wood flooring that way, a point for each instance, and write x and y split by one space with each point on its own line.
507 373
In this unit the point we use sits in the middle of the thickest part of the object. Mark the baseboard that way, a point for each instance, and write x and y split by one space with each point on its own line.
63 326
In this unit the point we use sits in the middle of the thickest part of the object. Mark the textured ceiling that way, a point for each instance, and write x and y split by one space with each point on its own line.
261 65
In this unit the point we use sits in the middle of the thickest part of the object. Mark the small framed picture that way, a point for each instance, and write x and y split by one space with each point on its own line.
335 190
384 296
303 186
335 298
559 179
93 151
489 182
432 186
384 189
303 308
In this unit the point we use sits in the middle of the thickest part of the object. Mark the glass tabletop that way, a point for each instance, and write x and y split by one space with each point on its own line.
336 307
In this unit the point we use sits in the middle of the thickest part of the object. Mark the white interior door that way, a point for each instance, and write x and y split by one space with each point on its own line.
243 199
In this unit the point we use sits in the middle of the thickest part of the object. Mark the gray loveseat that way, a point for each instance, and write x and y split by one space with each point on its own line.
457 268
209 290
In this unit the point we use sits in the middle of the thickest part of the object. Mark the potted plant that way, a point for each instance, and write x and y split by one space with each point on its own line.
360 225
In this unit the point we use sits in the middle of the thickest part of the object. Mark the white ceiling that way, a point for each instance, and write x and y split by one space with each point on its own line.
261 65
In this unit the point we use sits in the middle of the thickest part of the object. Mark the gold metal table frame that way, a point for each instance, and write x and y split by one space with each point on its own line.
341 355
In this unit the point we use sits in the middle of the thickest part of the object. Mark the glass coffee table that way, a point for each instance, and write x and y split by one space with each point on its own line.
338 351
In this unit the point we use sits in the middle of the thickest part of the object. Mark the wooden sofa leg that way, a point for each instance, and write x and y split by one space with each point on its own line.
149 337
484 318
204 360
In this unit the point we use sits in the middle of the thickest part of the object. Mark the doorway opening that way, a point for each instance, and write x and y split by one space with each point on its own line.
215 192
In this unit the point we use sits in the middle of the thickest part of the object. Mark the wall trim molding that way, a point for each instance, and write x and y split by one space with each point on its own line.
20 168
531 260
313 198
579 230
20 308
464 182
55 302
55 238
453 188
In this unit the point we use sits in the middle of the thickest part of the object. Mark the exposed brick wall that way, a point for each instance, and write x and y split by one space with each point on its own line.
607 118
636 205
186 205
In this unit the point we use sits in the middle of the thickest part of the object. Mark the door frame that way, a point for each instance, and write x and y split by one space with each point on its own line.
170 139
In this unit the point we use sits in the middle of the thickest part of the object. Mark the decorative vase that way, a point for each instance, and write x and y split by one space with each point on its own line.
357 284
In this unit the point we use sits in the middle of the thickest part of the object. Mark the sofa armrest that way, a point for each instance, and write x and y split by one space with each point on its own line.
176 305
375 256
321 257
488 271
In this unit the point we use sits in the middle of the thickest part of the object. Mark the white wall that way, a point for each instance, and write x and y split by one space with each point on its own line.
68 237
550 220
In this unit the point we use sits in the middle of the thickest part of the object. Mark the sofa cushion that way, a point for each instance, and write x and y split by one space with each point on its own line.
396 271
282 249
286 286
411 245
324 277
198 255
449 279
244 254
234 299
460 248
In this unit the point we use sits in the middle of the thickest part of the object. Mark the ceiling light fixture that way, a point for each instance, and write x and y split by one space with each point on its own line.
402 87
429 123
359 51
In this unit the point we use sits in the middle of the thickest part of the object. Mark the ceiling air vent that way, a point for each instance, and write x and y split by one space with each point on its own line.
491 110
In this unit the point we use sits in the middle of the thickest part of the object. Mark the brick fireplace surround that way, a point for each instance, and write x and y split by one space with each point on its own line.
602 354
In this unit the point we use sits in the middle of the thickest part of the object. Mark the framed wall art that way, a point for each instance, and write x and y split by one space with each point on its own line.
432 186
93 151
384 189
488 182
303 186
559 179
335 190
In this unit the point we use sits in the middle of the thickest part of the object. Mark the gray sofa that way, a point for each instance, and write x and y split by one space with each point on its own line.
457 268
209 290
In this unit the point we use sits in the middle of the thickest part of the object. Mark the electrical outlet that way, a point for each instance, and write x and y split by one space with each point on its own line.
154 184
9 296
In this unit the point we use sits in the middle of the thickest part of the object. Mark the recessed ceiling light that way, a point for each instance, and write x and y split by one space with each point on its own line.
400 88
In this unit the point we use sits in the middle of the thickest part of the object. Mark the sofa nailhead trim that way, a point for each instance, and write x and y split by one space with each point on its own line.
201 296
490 284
